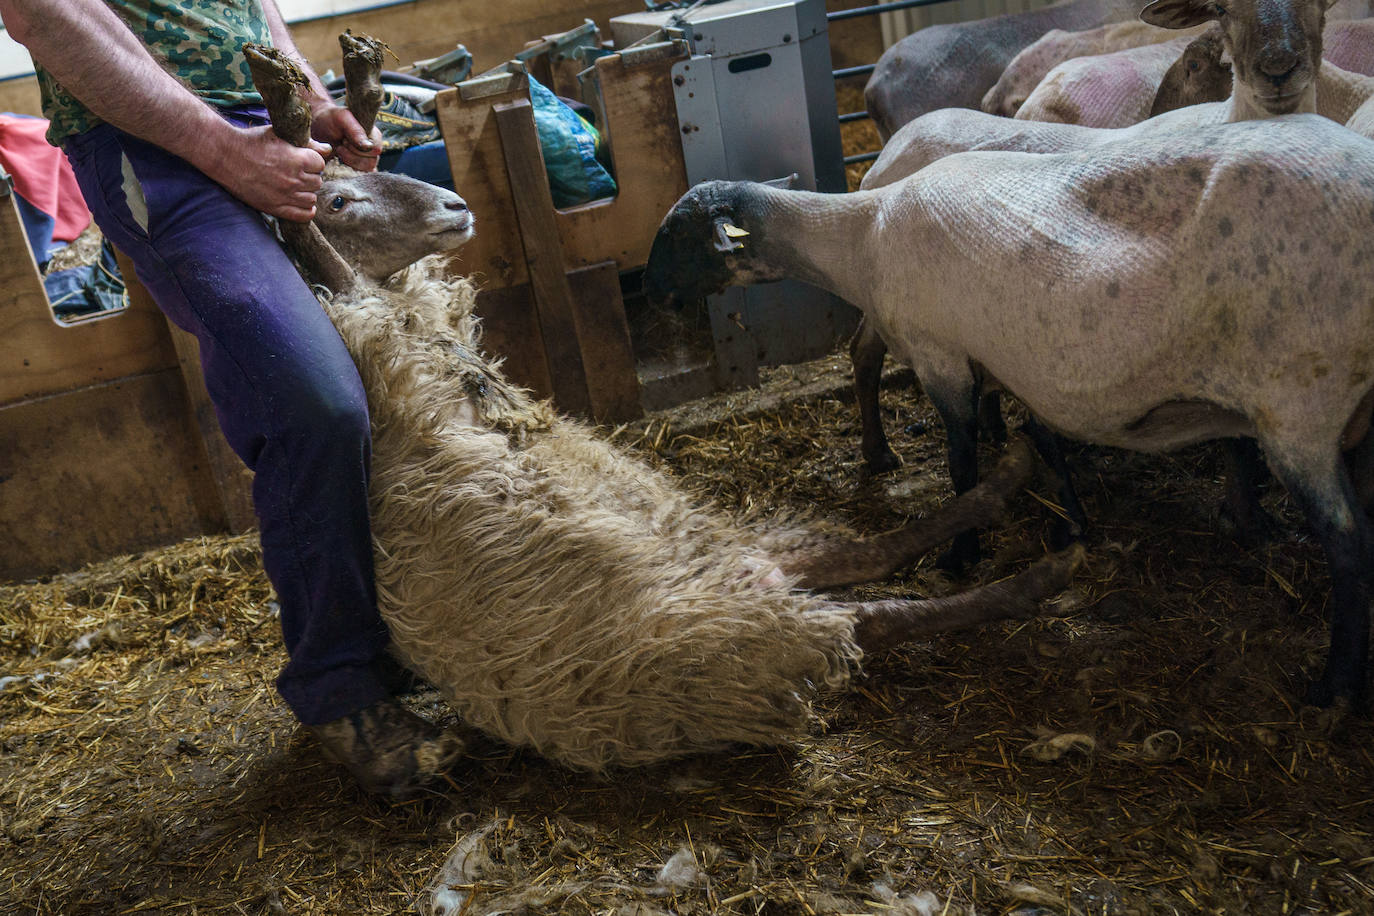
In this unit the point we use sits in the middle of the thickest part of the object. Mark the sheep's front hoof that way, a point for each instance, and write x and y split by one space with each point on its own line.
881 461
1333 698
963 553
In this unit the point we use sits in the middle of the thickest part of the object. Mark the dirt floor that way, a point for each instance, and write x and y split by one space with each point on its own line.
1144 752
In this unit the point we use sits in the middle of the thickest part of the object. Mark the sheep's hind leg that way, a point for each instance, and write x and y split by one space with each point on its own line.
958 407
882 625
1347 537
836 562
1241 505
991 423
866 352
1074 522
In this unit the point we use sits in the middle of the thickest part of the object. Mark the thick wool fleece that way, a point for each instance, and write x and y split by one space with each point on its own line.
563 595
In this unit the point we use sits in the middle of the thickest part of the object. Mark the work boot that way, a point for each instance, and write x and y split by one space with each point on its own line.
388 749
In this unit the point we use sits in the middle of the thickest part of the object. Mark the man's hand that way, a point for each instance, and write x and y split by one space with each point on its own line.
267 173
337 126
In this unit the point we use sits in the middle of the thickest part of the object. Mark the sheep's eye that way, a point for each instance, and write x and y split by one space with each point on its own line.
336 204
1193 65
1218 9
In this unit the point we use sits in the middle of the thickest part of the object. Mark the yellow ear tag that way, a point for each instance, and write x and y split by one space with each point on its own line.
734 232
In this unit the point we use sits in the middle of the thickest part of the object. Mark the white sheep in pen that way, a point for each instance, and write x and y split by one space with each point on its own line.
1104 90
559 592
1056 46
1135 294
1256 33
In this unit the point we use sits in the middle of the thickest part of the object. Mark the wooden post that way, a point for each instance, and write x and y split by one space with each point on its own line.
529 186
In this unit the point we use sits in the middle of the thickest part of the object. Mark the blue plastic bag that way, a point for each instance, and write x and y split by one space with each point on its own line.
569 146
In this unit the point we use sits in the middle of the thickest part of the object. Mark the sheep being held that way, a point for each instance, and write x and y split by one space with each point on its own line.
561 593
1132 294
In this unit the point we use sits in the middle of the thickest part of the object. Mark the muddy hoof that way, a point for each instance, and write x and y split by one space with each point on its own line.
961 555
1326 695
882 462
389 750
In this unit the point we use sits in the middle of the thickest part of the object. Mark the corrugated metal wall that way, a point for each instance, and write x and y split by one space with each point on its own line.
899 24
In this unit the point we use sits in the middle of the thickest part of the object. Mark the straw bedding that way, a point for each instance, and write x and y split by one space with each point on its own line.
1144 755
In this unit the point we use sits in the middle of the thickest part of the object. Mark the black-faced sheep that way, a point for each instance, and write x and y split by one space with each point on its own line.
1132 294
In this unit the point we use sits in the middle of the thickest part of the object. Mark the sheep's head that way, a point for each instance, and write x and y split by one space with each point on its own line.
1201 74
1275 46
381 222
707 242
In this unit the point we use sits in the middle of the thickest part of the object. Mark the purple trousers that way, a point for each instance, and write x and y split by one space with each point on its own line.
286 391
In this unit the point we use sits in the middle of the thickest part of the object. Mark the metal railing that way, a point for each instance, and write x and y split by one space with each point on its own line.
864 69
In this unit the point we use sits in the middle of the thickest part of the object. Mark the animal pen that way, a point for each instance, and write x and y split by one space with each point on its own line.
1138 749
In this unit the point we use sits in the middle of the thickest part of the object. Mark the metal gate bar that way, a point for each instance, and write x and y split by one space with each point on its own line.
867 68
878 8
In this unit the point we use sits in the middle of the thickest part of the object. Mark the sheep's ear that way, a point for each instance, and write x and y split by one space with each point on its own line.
787 182
1179 14
728 236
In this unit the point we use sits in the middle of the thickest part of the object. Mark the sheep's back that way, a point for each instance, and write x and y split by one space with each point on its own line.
1106 90
1149 270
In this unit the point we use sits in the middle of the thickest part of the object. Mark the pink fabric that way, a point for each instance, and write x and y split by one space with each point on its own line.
42 175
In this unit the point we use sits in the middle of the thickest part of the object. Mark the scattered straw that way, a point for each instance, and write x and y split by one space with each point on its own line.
146 764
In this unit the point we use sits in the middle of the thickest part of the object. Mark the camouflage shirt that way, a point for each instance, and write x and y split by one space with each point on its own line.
199 42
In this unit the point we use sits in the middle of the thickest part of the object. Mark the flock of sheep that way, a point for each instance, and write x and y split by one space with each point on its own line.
1205 274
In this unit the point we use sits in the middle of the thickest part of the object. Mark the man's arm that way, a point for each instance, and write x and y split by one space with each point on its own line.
95 56
331 123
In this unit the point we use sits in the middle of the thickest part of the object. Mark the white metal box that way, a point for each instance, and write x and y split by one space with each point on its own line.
756 102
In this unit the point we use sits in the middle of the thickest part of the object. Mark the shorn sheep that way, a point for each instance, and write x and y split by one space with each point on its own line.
1031 65
1254 30
953 66
560 593
1105 90
1122 88
1132 294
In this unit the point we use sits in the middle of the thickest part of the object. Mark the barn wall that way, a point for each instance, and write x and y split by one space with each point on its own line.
493 32
415 31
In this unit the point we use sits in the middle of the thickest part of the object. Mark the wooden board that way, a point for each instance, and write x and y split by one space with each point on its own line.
108 442
604 338
97 472
641 124
510 329
543 254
